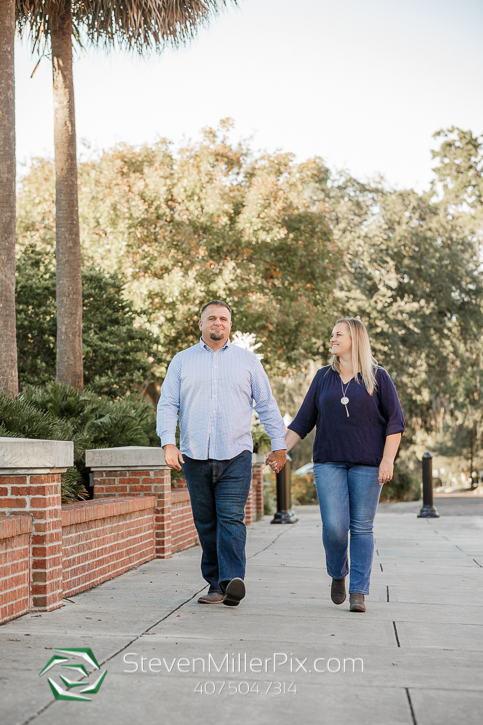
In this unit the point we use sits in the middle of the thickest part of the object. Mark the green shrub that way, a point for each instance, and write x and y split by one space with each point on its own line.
269 501
303 489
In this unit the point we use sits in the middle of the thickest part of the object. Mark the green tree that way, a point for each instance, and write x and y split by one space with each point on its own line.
412 275
292 248
138 25
211 220
115 350
460 176
460 172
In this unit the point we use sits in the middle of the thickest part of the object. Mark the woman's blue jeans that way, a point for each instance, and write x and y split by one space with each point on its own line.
218 492
348 497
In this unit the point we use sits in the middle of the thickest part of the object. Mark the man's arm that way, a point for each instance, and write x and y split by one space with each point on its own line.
269 414
167 415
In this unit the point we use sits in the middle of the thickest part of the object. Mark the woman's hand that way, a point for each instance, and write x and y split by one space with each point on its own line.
386 469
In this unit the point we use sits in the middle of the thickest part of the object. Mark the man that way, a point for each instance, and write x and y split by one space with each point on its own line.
212 386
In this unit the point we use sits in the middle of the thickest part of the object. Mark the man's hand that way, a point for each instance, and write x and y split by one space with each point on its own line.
276 460
173 456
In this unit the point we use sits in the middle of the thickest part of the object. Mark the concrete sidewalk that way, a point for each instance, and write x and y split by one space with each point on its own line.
420 641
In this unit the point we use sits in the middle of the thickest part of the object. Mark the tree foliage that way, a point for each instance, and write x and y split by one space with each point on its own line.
116 351
460 172
412 276
292 247
208 221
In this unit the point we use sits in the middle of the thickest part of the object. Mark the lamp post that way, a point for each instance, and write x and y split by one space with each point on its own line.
285 514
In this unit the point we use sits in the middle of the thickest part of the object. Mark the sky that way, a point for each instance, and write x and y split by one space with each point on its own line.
362 83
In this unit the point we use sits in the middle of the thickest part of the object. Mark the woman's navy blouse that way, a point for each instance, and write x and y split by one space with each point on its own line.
359 438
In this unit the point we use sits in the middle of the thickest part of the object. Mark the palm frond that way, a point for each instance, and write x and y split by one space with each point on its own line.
135 24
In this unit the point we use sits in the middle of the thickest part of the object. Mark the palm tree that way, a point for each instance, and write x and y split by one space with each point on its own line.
137 24
8 343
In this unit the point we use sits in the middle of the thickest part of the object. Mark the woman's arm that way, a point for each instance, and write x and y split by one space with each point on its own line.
386 467
291 438
304 421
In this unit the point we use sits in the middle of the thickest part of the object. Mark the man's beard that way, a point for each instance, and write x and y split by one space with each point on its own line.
216 335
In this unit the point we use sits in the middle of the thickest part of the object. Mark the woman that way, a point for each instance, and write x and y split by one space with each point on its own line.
359 422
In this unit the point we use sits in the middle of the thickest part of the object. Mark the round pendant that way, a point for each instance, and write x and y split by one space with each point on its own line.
344 401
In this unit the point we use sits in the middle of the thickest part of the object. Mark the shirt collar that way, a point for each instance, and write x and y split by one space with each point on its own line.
205 346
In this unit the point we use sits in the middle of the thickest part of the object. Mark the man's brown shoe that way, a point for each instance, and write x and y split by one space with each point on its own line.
213 598
234 592
337 591
357 602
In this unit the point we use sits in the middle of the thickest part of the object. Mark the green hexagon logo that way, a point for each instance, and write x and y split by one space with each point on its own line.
63 692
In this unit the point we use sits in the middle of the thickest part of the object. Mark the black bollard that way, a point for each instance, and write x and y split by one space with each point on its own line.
428 510
285 513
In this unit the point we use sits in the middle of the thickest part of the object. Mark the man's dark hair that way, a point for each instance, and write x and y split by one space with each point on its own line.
218 303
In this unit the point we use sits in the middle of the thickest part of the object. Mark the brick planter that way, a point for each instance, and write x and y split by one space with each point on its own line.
48 551
256 489
14 566
136 471
141 471
30 484
104 538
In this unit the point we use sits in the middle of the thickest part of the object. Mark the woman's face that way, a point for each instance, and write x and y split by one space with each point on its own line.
340 340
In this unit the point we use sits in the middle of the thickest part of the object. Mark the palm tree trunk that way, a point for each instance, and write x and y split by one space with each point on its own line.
8 342
68 253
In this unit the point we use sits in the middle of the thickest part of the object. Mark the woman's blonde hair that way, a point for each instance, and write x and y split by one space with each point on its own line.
362 359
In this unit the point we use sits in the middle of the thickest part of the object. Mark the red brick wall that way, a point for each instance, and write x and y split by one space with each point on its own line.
39 496
14 566
249 512
104 538
142 483
257 485
254 505
183 530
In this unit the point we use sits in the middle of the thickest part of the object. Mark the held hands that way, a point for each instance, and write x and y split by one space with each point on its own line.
386 470
173 456
276 460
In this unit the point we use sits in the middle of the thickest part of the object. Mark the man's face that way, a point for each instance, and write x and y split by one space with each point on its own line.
215 323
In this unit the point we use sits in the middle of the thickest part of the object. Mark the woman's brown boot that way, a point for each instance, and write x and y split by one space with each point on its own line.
337 591
357 602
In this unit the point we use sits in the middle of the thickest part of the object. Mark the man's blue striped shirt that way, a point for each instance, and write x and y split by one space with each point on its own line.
213 394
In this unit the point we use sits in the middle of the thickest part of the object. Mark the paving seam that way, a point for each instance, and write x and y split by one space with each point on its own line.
410 706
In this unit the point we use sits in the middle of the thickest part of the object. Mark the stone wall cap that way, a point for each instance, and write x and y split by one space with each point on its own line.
125 457
29 453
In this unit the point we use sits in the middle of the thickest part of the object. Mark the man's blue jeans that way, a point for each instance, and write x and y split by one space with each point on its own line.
219 492
348 497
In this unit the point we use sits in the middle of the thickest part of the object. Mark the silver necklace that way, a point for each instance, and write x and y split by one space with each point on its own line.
344 400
